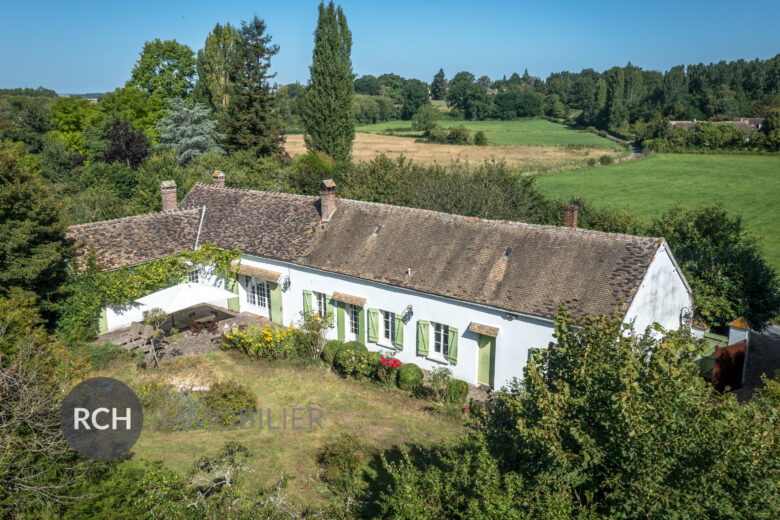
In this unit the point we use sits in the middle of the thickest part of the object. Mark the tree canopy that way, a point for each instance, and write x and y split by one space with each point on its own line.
165 68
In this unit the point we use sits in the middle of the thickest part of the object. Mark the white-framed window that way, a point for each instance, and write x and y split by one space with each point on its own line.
440 339
257 292
321 304
387 334
193 276
354 320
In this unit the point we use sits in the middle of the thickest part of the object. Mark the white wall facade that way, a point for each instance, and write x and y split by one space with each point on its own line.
661 296
516 335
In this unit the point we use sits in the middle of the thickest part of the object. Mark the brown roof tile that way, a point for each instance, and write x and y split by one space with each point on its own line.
518 267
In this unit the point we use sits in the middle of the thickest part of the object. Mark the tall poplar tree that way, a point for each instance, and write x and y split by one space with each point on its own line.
213 66
616 107
251 121
329 117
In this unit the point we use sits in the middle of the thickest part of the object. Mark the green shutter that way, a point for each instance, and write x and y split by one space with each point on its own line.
307 303
276 303
185 277
399 332
423 336
362 325
234 304
330 312
103 323
373 325
452 346
341 319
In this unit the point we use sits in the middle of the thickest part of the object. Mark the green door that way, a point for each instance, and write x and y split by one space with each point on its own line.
487 359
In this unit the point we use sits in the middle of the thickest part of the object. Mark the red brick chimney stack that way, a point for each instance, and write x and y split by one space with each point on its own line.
327 199
570 215
219 179
168 192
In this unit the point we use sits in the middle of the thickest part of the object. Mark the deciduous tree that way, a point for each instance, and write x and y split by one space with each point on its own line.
165 68
213 66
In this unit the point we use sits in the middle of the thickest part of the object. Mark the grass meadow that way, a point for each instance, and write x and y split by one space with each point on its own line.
523 132
746 185
383 417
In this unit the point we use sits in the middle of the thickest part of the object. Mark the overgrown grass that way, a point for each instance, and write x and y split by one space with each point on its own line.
532 132
383 417
745 185
99 355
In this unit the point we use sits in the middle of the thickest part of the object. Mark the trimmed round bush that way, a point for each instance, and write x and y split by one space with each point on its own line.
356 346
457 390
330 349
231 395
409 376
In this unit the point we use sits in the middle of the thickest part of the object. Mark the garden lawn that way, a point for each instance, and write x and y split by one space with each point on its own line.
381 416
532 132
747 185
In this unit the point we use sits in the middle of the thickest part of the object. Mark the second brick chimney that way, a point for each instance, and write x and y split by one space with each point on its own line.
219 179
570 215
327 199
168 192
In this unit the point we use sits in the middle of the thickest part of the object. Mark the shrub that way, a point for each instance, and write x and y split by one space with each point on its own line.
458 135
358 364
457 390
409 377
605 160
437 135
330 349
357 346
440 378
592 161
99 355
387 369
231 395
266 342
342 460
480 139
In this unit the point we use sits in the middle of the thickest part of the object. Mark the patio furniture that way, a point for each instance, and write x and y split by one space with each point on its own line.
212 326
131 336
195 327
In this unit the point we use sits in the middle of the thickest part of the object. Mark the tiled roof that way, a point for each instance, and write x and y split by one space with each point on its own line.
138 239
518 267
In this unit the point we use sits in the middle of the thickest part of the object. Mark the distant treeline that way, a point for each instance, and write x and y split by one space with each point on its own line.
31 92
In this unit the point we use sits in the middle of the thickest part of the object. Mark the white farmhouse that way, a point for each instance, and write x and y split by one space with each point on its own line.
439 290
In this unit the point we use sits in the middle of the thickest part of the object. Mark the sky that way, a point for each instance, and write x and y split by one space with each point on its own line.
79 47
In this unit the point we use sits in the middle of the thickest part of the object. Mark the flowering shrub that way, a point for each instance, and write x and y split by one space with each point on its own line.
386 373
266 342
358 364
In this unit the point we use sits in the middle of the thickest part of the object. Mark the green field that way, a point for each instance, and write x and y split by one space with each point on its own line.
746 185
533 132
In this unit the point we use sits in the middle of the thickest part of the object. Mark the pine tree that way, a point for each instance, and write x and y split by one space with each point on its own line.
251 121
34 255
329 118
439 85
189 129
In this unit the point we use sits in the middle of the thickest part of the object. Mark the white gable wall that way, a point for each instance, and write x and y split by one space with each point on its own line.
515 337
662 295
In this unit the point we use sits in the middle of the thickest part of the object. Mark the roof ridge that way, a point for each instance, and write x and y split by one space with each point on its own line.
453 216
134 217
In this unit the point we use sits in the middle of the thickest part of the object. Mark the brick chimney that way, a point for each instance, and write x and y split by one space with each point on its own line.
168 192
219 179
570 215
327 199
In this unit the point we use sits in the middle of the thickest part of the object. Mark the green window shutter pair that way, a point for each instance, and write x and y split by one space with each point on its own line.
398 342
341 320
362 325
234 304
330 311
307 307
276 303
452 346
373 325
103 323
423 337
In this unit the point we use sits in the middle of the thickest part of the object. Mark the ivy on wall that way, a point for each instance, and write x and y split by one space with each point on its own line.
90 289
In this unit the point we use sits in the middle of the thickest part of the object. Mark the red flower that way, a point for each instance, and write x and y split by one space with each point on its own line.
384 361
